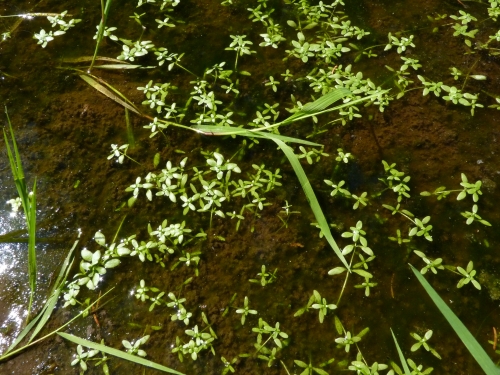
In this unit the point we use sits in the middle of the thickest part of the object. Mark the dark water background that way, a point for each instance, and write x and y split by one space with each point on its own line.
65 128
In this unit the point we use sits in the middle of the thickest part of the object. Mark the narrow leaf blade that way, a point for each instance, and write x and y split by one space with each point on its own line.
401 356
117 353
103 90
311 197
467 338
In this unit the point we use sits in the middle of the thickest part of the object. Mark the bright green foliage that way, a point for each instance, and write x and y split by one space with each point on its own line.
467 338
273 333
116 353
472 216
134 348
228 366
432 265
309 369
265 277
245 310
321 305
468 276
401 43
422 342
349 339
362 368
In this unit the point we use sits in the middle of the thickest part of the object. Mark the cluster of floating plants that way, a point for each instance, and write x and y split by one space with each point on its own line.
321 52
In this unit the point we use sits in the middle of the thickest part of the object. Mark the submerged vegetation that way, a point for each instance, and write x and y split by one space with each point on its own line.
209 168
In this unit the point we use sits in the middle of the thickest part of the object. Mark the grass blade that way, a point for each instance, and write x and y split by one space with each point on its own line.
49 306
130 132
311 197
29 206
319 104
121 66
81 59
55 292
100 31
305 114
467 338
401 356
103 90
230 130
117 353
31 219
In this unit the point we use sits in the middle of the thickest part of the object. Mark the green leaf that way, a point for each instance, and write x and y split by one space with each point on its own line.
48 308
320 371
336 271
100 31
230 130
311 197
119 66
103 90
100 239
319 104
300 363
117 353
401 356
467 338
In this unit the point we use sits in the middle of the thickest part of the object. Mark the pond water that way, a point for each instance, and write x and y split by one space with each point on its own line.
65 129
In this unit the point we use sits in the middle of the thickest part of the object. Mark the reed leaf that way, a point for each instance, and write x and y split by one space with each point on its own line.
117 353
319 104
467 338
311 197
31 219
130 131
81 59
121 66
401 356
309 113
100 31
103 90
229 130
55 291
29 206
49 306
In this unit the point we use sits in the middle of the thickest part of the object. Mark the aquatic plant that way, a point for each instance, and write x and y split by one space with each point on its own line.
227 181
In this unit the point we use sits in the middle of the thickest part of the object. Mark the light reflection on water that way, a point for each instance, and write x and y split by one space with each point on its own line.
14 292
14 279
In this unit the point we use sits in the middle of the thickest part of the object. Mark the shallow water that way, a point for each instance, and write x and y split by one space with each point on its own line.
65 128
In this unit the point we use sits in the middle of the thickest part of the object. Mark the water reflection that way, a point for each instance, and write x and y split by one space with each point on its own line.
13 276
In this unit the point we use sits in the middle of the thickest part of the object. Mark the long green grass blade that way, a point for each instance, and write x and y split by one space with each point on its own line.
467 338
230 130
31 219
319 104
401 356
305 114
100 31
130 131
103 90
311 197
23 334
81 59
121 66
29 206
55 292
118 353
